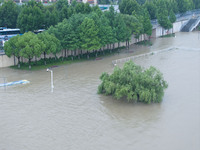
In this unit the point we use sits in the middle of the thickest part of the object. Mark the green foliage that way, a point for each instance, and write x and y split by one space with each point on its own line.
151 8
147 26
129 6
137 26
30 46
120 28
51 18
184 5
89 35
31 17
130 21
8 14
172 17
51 43
11 47
61 3
111 16
162 15
105 34
134 84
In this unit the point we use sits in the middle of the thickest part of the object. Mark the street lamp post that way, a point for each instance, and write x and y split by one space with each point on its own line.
51 78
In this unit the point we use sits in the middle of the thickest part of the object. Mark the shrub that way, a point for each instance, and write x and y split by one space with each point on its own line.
134 83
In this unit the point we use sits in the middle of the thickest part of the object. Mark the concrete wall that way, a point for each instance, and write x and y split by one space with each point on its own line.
5 61
178 25
159 31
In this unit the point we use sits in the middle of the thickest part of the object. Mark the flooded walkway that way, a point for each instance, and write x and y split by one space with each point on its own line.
75 117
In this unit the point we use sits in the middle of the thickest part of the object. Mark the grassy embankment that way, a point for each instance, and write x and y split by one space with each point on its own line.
145 43
52 62
168 35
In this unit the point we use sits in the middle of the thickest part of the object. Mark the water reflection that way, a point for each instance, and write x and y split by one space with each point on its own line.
132 114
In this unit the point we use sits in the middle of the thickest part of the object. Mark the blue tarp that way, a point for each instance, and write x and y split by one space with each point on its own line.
14 83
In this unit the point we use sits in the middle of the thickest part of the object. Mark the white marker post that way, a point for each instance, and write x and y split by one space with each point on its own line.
51 78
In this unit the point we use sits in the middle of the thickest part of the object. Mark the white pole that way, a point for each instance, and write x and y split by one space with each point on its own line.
51 78
52 81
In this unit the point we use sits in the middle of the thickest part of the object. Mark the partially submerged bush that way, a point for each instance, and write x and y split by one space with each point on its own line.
134 83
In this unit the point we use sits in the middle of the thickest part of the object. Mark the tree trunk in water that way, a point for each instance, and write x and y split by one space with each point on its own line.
128 44
65 53
35 60
72 55
14 61
45 63
29 60
118 44
18 62
88 55
93 51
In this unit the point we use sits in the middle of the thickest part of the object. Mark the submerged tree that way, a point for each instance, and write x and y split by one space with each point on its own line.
134 84
30 46
12 48
51 44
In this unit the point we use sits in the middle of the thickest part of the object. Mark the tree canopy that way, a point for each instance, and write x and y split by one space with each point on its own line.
134 83
31 17
8 14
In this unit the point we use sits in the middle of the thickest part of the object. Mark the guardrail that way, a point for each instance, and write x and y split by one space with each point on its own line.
195 24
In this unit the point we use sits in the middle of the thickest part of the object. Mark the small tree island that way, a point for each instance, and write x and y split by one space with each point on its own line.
134 83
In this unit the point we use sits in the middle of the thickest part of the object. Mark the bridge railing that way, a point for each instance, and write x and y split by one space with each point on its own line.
194 25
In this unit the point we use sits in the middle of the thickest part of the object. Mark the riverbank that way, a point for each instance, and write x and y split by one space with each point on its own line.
52 62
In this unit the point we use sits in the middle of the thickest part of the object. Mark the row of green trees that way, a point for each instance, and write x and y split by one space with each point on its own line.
31 45
163 10
97 29
177 6
83 32
34 15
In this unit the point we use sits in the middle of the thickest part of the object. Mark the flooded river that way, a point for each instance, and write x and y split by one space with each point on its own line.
75 117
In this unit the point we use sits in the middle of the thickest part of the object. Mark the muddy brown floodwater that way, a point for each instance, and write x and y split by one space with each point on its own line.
75 117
